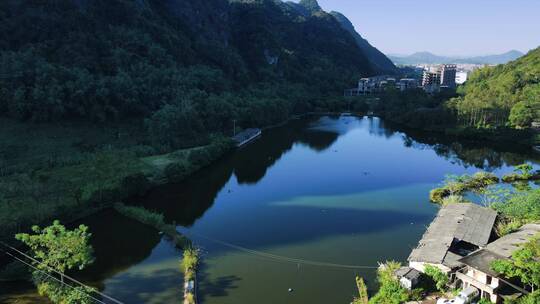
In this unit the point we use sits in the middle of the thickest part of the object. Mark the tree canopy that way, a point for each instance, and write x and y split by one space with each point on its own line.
524 264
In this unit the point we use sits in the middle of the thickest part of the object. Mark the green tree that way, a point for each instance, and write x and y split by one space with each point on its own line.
58 249
390 290
439 277
532 298
524 264
522 114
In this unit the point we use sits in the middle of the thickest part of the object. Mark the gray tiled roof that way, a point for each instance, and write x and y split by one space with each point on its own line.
509 243
500 249
461 222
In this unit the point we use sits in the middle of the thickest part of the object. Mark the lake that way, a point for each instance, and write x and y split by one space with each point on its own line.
308 206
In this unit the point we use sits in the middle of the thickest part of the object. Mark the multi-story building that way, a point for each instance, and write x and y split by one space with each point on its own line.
431 80
378 84
479 274
431 76
448 75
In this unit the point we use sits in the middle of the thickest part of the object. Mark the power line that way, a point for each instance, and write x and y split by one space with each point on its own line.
50 276
283 258
61 274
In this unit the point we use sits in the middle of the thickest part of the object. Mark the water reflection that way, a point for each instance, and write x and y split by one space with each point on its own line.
317 187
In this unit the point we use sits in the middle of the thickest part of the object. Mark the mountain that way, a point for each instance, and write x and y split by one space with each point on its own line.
429 58
494 59
209 61
506 94
378 60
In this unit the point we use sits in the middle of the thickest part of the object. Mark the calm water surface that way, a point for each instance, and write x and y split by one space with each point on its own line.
308 206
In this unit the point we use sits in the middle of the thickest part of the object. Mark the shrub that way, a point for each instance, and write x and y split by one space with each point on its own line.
189 263
177 171
453 199
390 290
522 172
141 214
437 195
521 206
439 278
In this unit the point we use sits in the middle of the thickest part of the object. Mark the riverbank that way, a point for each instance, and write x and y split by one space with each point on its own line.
523 137
66 179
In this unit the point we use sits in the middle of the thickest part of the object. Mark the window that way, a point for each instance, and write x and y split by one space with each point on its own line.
488 280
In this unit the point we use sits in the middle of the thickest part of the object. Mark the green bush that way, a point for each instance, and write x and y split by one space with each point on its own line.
177 171
439 278
523 206
189 263
522 172
147 217
390 289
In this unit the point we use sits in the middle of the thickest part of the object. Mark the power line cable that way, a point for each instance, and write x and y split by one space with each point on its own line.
61 274
283 258
51 277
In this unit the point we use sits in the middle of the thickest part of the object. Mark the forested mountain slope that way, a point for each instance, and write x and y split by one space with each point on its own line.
378 60
506 94
194 64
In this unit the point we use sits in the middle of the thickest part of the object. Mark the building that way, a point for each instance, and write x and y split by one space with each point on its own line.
405 84
456 231
431 80
408 277
448 75
371 85
478 273
378 84
431 77
461 77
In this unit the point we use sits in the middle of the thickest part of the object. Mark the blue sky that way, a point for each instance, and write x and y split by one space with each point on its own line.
444 27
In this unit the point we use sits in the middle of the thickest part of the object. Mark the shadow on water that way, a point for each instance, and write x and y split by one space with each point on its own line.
259 229
218 287
252 162
119 243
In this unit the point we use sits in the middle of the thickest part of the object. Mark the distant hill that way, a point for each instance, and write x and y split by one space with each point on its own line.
429 58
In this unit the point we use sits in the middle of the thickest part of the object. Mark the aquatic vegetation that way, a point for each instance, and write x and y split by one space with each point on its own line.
522 172
363 297
152 219
189 263
455 185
